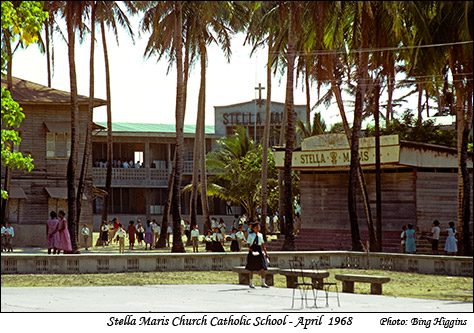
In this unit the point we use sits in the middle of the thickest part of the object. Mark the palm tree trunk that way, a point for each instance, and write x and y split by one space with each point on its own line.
464 123
71 167
420 104
48 55
390 89
266 137
378 182
108 176
88 143
289 244
161 243
281 195
308 98
202 151
176 209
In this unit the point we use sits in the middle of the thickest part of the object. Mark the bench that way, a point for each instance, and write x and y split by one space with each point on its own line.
244 275
375 282
317 277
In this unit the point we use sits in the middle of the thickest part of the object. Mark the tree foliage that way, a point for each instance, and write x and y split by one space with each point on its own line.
409 128
236 166
22 23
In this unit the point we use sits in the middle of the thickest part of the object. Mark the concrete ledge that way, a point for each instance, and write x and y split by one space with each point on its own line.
16 263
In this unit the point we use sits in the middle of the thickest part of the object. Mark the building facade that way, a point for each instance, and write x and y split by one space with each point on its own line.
419 185
46 135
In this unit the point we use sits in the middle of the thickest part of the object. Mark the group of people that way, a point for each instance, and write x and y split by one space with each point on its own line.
57 233
408 236
114 232
8 233
119 164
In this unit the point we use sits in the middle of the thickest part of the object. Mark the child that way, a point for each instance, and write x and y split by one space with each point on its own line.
450 247
208 240
148 234
120 235
434 239
85 234
195 238
217 241
104 232
410 239
403 237
234 245
255 259
4 238
240 237
10 235
140 232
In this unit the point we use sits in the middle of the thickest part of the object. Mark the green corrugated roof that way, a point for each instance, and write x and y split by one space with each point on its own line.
153 128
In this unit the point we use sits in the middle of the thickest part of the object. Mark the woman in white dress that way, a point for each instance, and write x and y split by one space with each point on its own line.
450 247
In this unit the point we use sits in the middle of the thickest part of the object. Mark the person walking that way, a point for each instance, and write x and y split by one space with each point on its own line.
64 238
450 247
85 235
410 240
255 258
51 232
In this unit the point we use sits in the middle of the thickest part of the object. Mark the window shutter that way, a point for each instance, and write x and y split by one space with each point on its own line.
50 145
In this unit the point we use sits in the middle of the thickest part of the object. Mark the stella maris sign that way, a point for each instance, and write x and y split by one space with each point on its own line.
332 151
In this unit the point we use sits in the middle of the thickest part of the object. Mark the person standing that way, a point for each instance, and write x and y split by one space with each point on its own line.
104 234
169 232
85 234
403 238
156 231
434 239
111 232
229 207
4 238
51 232
240 237
187 231
131 231
148 234
410 240
450 247
217 241
64 238
10 233
140 232
275 223
195 238
120 235
234 244
255 258
221 225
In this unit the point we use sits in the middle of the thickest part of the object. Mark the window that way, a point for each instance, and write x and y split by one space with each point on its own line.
58 145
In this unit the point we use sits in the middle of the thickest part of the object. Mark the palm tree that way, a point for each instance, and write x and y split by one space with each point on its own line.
73 12
108 12
289 244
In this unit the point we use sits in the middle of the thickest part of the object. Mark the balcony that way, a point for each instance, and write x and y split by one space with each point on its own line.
142 177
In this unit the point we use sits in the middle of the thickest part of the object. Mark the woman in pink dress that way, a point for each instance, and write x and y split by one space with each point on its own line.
64 239
51 232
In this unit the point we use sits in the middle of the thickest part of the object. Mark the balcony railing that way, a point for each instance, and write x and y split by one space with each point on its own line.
137 177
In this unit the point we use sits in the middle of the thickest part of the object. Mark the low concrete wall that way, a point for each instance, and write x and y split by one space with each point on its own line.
152 262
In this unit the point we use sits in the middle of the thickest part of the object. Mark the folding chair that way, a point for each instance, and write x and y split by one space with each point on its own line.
324 285
296 267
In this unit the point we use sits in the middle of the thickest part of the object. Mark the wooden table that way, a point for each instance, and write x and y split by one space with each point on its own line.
317 277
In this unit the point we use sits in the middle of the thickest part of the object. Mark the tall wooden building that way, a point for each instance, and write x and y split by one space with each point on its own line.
46 135
419 185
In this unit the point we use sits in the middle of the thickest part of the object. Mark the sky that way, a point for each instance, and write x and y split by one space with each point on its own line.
143 91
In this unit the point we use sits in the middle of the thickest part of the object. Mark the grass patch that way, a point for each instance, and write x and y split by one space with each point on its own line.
401 285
